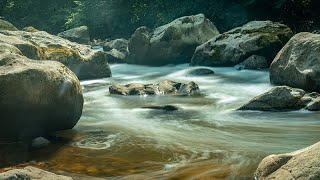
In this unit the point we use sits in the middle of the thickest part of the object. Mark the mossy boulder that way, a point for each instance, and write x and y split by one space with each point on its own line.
5 25
36 98
172 43
201 72
262 38
81 59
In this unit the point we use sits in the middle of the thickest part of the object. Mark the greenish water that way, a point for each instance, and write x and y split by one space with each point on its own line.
206 138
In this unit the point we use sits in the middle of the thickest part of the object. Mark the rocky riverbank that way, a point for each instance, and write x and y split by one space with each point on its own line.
41 92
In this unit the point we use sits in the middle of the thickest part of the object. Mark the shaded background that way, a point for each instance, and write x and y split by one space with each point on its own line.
119 18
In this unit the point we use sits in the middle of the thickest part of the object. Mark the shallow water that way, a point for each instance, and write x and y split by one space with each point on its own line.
206 138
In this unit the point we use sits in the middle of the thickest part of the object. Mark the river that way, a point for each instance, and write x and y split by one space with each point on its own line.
206 138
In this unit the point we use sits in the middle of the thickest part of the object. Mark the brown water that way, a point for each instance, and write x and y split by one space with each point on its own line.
206 139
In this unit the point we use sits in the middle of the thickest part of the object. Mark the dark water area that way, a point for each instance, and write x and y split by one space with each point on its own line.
206 138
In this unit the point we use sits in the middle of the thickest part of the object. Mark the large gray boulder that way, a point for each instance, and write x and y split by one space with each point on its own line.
78 34
36 98
166 87
118 44
283 98
31 173
81 59
303 164
172 43
5 25
116 50
298 63
262 38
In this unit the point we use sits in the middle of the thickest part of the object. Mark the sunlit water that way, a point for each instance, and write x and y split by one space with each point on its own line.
206 138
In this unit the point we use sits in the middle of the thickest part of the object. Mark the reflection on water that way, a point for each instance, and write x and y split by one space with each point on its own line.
206 138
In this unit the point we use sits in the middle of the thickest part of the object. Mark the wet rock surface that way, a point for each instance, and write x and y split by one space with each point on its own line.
283 98
165 87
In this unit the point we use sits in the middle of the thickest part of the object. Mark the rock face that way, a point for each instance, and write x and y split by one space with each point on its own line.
283 98
78 34
165 87
30 173
303 164
172 43
7 48
36 98
298 63
117 50
262 38
254 62
5 25
81 59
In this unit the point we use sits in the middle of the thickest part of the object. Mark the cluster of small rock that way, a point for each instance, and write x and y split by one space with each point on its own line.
165 87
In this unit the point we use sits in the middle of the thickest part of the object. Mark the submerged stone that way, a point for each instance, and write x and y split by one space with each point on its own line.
201 72
164 108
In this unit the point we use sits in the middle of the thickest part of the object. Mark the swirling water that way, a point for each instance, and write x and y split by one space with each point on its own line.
206 138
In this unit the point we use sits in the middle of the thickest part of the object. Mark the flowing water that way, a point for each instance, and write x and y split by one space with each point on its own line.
207 138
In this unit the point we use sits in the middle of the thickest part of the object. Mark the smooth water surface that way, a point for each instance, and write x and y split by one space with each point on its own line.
206 138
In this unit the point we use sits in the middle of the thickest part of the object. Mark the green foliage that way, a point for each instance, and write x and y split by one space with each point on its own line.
119 18
49 15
